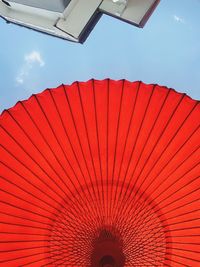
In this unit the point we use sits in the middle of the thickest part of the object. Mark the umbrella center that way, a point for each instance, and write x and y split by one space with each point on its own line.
108 234
107 261
107 249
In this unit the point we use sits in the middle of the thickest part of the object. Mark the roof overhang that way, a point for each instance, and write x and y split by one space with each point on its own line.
73 19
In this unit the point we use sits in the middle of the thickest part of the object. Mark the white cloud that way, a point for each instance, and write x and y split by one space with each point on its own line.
178 19
20 79
32 59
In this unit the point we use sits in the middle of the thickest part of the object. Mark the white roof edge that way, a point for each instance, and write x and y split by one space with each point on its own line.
65 25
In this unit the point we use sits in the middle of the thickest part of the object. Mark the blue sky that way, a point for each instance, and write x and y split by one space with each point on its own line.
166 51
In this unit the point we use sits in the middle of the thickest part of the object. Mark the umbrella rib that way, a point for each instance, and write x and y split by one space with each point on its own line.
24 164
126 139
161 136
150 132
183 229
193 152
146 248
26 219
182 222
36 213
135 142
146 237
163 213
184 243
58 209
185 213
14 233
171 173
174 135
115 150
73 194
176 166
26 241
29 193
187 250
25 257
53 154
189 203
37 221
156 143
175 261
184 236
172 193
68 138
137 136
172 202
143 255
28 181
89 146
107 140
56 138
37 148
183 257
30 211
98 142
21 249
79 141
57 141
28 168
24 225
63 260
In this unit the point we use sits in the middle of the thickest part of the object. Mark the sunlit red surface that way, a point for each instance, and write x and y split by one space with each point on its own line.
100 173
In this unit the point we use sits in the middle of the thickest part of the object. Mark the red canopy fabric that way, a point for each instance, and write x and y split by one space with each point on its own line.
100 173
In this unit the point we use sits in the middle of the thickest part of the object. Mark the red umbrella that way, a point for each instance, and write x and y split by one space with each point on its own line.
100 173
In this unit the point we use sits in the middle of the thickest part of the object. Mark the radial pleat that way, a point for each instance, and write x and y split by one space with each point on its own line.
100 160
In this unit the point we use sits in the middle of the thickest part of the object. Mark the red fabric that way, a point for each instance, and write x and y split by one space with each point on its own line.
108 158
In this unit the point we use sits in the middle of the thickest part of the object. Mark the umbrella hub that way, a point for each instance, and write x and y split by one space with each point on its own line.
107 261
117 234
107 249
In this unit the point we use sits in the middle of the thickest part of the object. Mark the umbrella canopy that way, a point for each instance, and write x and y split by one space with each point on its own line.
100 173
